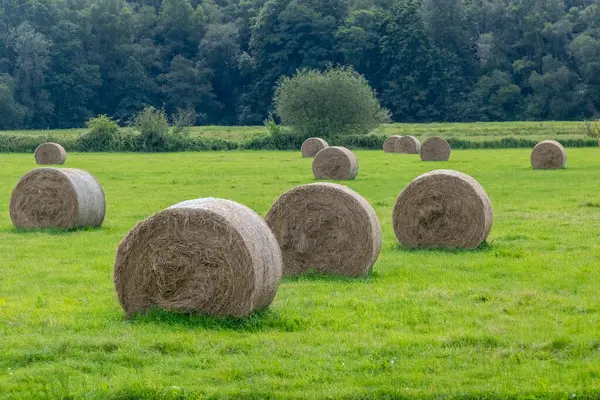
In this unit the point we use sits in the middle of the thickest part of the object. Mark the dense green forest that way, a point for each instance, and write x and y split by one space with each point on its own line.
62 61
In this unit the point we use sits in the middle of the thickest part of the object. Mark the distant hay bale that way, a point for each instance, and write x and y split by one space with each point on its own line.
389 146
312 146
435 149
50 153
408 145
443 209
325 227
61 198
208 256
335 163
548 154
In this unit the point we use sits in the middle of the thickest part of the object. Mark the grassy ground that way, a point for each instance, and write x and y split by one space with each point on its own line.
472 131
520 317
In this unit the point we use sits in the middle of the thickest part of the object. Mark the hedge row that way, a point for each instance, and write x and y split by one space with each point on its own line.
174 143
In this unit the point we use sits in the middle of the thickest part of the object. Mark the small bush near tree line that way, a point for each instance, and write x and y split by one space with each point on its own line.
104 135
338 101
592 128
153 126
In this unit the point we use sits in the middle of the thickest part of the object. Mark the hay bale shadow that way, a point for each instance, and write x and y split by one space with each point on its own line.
485 247
50 231
318 276
262 321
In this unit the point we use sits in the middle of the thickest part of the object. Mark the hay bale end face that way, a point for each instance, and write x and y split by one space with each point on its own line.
389 146
325 227
208 256
311 147
335 163
50 153
443 209
549 154
435 149
408 145
60 198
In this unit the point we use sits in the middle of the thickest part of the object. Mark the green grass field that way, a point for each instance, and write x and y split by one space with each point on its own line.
518 318
479 131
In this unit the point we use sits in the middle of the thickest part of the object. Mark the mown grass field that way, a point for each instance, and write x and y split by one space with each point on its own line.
519 318
479 131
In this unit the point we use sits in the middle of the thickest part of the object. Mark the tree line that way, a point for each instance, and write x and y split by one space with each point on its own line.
64 61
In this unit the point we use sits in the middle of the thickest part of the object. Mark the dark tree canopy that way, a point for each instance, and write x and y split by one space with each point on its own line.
64 61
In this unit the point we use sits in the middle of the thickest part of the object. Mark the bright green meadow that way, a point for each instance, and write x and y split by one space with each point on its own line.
517 318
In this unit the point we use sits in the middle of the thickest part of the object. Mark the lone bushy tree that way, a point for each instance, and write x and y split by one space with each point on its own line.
334 102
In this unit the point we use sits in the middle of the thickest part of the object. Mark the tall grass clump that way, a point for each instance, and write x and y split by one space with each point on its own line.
183 120
153 126
592 128
338 101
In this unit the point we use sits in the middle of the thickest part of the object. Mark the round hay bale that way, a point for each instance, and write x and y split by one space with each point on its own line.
408 145
325 227
209 256
548 154
435 149
389 146
335 163
50 153
61 198
312 146
443 209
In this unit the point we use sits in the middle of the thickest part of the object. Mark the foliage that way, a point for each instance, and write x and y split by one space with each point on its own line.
183 120
592 128
427 60
153 127
334 102
104 135
460 135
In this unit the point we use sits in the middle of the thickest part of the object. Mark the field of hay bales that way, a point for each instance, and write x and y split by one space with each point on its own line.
517 318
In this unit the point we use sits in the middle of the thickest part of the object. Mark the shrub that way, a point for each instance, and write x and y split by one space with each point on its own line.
104 135
592 128
338 101
183 120
153 126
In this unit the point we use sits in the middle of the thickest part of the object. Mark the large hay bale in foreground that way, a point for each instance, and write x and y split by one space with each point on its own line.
408 145
548 154
389 146
61 198
325 227
208 256
311 147
443 209
335 163
50 153
435 149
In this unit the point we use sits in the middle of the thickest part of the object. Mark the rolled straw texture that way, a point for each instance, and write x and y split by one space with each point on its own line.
548 154
435 149
389 146
61 198
327 228
408 145
50 153
335 163
312 146
443 209
208 256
